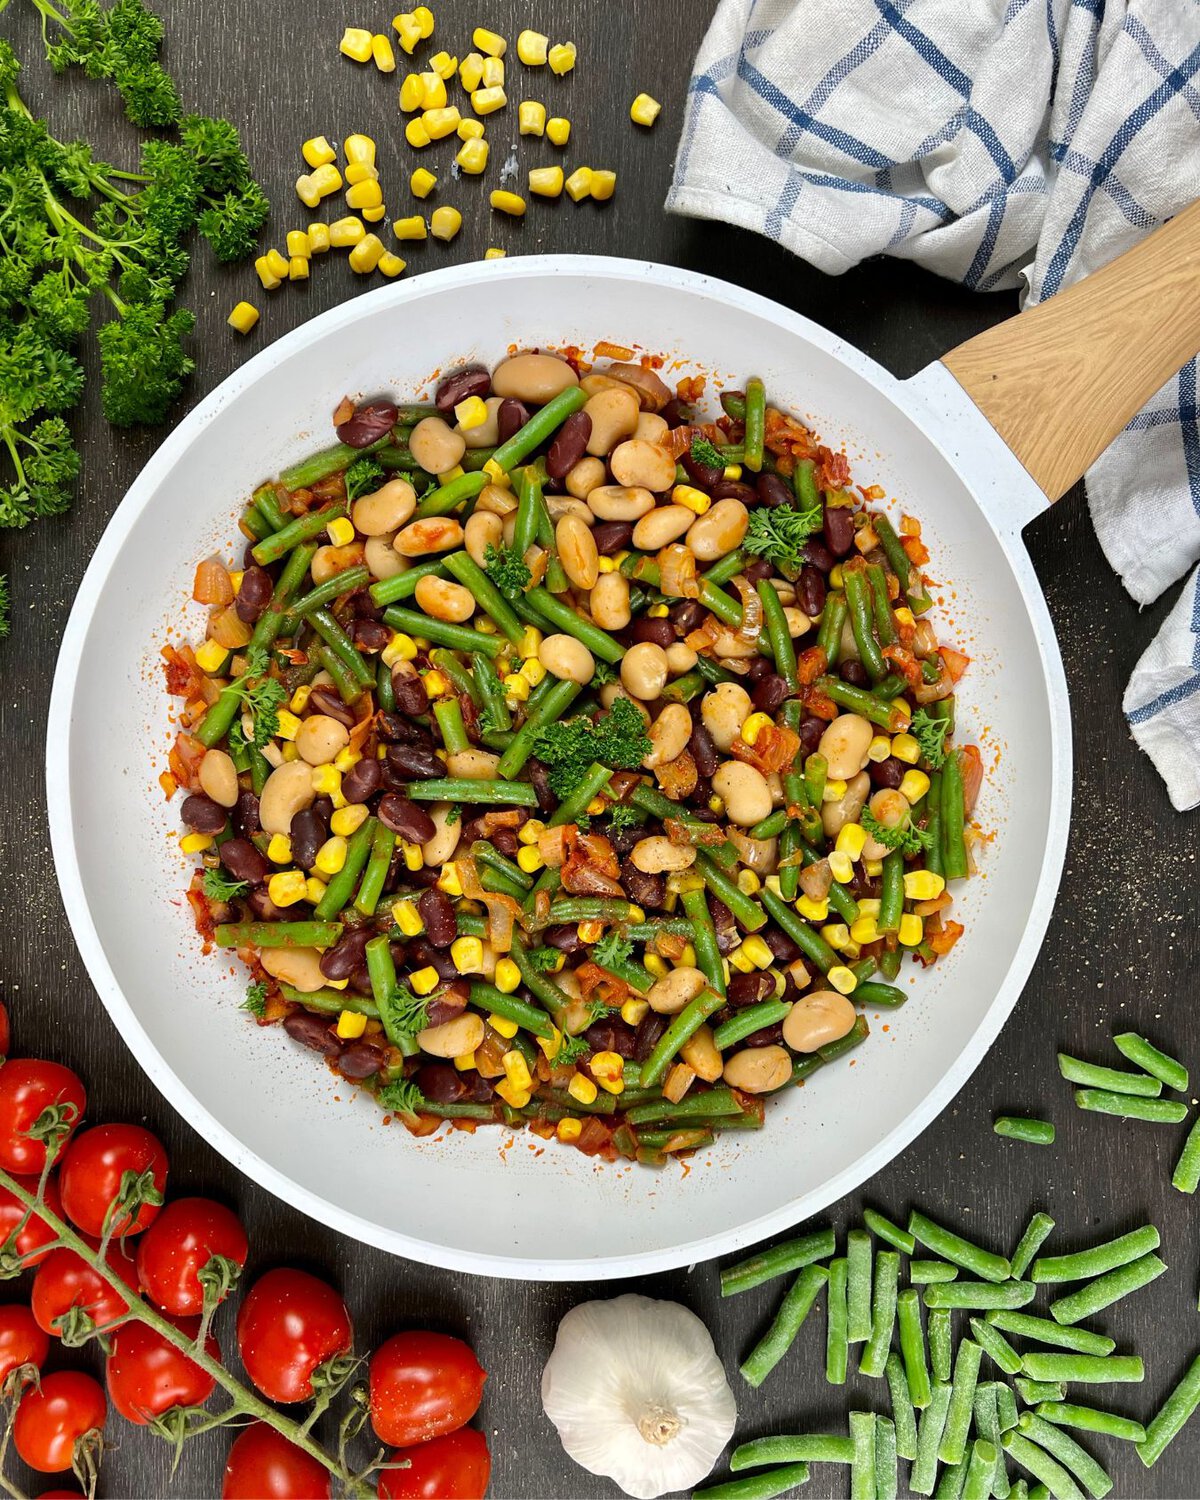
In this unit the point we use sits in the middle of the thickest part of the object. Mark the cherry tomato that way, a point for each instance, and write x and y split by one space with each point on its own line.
422 1385
60 1495
35 1232
50 1420
65 1280
28 1085
22 1342
93 1169
4 1033
287 1325
181 1242
147 1375
455 1466
263 1465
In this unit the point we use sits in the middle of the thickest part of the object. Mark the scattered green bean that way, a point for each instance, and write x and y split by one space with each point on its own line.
1022 1128
953 1247
1045 1331
979 1295
813 1448
1147 1057
763 1486
836 1342
1037 1232
929 1436
880 1226
789 1256
912 1347
1089 1419
939 1328
1171 1416
779 1338
1114 1079
1087 1369
858 1286
883 1314
953 1444
996 1347
443 633
1100 1258
928 1272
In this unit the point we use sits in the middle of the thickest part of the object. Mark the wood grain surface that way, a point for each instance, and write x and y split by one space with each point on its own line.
1122 946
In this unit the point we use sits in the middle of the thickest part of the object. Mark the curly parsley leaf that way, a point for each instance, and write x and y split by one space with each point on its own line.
362 477
401 1095
256 1000
218 886
506 570
779 534
613 950
623 816
403 1013
603 674
456 812
572 1050
616 739
264 696
930 734
544 959
706 453
906 838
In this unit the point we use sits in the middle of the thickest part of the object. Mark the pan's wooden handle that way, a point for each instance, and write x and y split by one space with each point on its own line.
1060 381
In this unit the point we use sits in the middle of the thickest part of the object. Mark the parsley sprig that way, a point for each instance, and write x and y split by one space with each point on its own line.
779 535
218 886
256 999
930 734
907 838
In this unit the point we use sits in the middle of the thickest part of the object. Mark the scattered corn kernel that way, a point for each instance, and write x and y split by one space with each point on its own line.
493 72
470 130
408 28
423 16
345 759
243 317
424 981
298 702
590 932
842 979
851 840
879 749
343 233
912 930
835 790
445 222
279 850
531 117
472 157
407 918
439 123
471 413
298 268
568 1129
836 934
582 1088
433 90
644 110
364 195
416 135
266 275
864 930
365 255
558 130
297 243
355 44
467 953
470 71
604 185
812 911
341 531
532 48
286 888
502 1026
412 93
381 52
195 843
546 182
691 498
444 65
507 978
350 1025
412 228
422 183
507 203
923 885
754 726
914 785
326 180
449 880
903 710
488 101
579 186
489 42
278 263
316 151
562 58
318 238
361 171
497 474
608 1070
306 191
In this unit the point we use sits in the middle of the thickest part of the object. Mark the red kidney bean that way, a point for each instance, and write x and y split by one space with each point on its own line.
765 1036
421 953
839 529
409 690
506 842
360 981
811 730
437 912
854 673
254 594
659 632
686 616
623 839
370 635
312 1031
783 949
480 1090
244 861
773 491
368 424
727 933
264 908
347 954
734 489
698 797
395 730
758 569
470 716
203 814
887 773
612 536
361 1060
810 590
819 555
703 476
569 445
703 751
539 776
362 780
649 891
405 818
757 668
445 1007
472 380
440 1083
324 700
650 1029
308 832
511 416
769 693
675 413
611 1036
565 937
409 761
749 989
363 607
245 815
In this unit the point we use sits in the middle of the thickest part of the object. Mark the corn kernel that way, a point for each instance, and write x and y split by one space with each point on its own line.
582 1089
851 840
408 28
268 278
842 979
748 882
355 44
340 531
561 58
558 130
568 1129
195 843
732 471
633 1011
515 1097
812 911
298 702
687 959
382 54
424 981
365 255
364 195
464 1061
923 885
297 243
530 831
416 135
879 749
373 215
604 184
290 753
507 978
439 123
422 183
361 171
531 117
326 180
496 473
608 1070
546 182
489 42
579 185
754 726
401 647
758 953
423 16
644 110
331 856
658 611
444 65
433 91
590 932
864 930
470 71
532 48
693 499
407 918
635 914
390 264
488 101
326 779
903 710
472 157
655 964
873 867
289 725
444 223
211 656
502 1026
530 645
741 961
905 615
286 888
836 934
318 238
449 880
412 228
835 575
412 94
471 413
716 804
904 747
912 930
467 953
278 263
516 686
351 1025
529 859
343 233
413 858
914 785
493 72
835 790
298 268
516 1069
436 685
279 850
316 151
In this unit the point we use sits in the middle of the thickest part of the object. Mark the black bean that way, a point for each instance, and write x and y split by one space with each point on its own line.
370 635
623 839
686 616
347 954
506 841
734 489
888 772
539 777
405 818
703 476
409 691
395 729
511 416
819 555
203 814
757 569
362 780
368 424
450 1002
312 1031
409 761
324 700
480 1090
244 861
612 536
569 445
611 1036
308 832
254 594
769 692
650 1029
440 1083
473 380
361 1060
245 816
649 891
839 529
698 797
659 632
811 730
363 607
773 491
749 989
854 673
757 668
565 937
703 751
437 912
810 590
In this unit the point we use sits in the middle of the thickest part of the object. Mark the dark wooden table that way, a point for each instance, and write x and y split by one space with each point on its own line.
1121 946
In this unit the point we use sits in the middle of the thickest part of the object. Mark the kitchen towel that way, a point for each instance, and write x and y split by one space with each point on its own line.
1002 143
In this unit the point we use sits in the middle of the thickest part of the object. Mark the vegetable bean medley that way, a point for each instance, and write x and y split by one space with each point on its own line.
558 757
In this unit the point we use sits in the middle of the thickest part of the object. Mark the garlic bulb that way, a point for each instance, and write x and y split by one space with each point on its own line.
637 1393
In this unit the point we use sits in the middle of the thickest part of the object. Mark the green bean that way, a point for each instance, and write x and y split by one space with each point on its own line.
1089 1419
342 646
529 495
987 1425
260 769
859 701
1022 1128
1107 1289
683 1026
804 484
950 1485
475 459
929 1436
862 1472
1147 1057
328 461
549 881
814 1448
598 641
1037 1232
891 686
791 1255
277 934
781 1335
450 496
331 1002
1186 1176
912 1347
486 854
953 1247
771 825
1113 1079
495 605
836 1343
539 427
254 524
325 593
448 713
590 909
829 633
763 1486
1006 1407
502 884
1042 1466
715 600
996 1347
747 1021
458 675
857 1033
779 634
883 1314
727 568
713 1103
382 971
862 621
886 1468
385 695
1067 1451
1098 1259
573 806
1044 1331
980 1295
342 885
898 1238
940 1344
469 792
1129 1107
1084 1368
677 1138
891 894
303 529
684 689
744 908
902 1407
953 818
704 939
1171 1416
789 862
383 846
489 694
953 1444
810 942
980 1470
756 412
871 992
858 1286
893 549
927 1272
933 824
885 621
345 682
543 989
557 698
442 633
404 585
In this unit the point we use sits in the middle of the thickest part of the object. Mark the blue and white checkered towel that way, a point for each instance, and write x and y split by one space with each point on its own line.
1003 145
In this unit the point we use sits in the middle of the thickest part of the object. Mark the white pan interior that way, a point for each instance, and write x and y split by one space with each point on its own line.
487 1202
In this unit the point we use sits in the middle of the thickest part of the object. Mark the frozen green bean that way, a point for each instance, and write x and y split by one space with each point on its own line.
1115 1080
902 1408
898 1238
1037 1232
1021 1128
836 1343
1095 1261
1169 1420
1042 1466
912 1347
1075 1459
979 1296
862 1470
810 1447
791 1255
883 1314
924 1272
1089 1419
953 1247
779 1338
858 1286
886 1472
941 1344
1127 1107
1044 1331
1147 1057
1107 1289
953 1443
996 1346
1086 1369
929 1436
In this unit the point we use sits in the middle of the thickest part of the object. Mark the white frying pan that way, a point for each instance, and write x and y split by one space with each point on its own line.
1057 383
